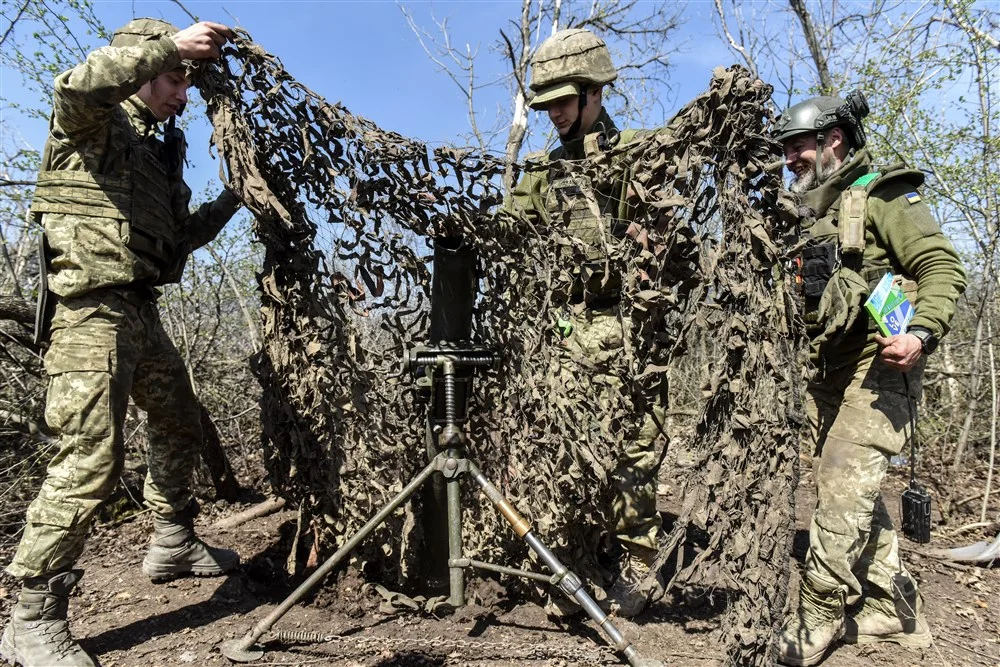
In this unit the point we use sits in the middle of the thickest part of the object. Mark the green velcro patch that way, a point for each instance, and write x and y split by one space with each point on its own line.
866 179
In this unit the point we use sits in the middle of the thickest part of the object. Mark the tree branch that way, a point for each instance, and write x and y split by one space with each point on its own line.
819 59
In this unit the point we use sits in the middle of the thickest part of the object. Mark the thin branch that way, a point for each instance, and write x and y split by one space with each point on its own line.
20 13
185 9
819 58
733 44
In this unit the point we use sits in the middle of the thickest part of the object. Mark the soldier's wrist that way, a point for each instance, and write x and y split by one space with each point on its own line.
928 341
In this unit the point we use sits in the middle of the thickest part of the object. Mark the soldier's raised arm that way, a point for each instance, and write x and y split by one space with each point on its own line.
87 95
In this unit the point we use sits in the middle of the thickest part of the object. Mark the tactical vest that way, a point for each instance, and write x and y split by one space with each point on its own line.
590 212
835 265
138 199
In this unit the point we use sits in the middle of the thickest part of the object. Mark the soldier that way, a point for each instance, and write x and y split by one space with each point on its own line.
114 207
568 75
867 223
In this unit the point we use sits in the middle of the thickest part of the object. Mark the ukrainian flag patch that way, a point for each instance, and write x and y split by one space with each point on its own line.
912 197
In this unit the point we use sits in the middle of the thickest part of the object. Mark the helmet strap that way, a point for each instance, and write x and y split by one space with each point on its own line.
820 145
574 129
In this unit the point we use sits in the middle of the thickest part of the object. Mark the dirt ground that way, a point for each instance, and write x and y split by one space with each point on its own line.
126 620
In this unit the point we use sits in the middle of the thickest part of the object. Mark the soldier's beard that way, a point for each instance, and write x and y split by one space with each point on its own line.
807 181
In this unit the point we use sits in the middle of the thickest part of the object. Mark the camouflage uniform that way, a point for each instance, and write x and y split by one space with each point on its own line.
117 224
549 193
859 409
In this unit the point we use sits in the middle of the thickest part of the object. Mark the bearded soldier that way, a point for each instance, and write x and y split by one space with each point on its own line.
868 222
114 207
568 75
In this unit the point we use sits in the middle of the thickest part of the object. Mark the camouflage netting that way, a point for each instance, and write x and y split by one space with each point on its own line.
346 211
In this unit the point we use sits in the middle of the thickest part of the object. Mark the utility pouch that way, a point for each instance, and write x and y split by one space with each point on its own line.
45 305
915 508
853 209
171 273
818 264
172 150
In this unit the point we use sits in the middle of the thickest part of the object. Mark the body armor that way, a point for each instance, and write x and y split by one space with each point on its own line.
837 253
137 198
591 212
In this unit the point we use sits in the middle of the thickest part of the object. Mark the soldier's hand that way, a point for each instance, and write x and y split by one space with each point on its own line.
202 40
901 351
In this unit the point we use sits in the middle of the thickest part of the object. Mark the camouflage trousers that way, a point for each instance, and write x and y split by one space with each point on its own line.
104 347
598 335
859 416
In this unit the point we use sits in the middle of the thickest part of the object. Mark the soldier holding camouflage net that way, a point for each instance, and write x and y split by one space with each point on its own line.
868 222
114 207
568 74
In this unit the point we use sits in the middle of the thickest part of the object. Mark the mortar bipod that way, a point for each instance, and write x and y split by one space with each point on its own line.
453 464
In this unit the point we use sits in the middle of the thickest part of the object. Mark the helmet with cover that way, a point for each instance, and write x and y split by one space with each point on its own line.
566 61
137 31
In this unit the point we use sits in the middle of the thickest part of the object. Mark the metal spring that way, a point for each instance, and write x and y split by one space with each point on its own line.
470 360
449 399
301 636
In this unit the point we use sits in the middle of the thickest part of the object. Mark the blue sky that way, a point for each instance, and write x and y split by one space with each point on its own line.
363 54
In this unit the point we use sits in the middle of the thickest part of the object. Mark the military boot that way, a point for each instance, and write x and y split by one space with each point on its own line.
38 633
176 551
880 619
815 626
631 593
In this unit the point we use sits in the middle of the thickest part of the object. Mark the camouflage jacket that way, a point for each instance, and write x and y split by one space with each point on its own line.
901 237
102 170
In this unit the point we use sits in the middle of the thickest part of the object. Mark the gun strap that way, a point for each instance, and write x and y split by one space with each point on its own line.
912 408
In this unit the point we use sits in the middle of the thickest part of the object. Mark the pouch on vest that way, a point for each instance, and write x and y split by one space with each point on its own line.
851 224
841 304
45 306
171 273
817 266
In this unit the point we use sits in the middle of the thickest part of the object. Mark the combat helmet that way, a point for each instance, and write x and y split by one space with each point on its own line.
138 31
566 63
819 114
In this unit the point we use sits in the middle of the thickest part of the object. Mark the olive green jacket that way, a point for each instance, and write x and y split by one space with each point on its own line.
901 237
97 125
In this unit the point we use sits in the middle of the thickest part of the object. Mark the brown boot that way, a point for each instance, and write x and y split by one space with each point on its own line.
880 619
815 626
38 633
176 551
634 589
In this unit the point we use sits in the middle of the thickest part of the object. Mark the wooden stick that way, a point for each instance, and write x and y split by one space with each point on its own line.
269 506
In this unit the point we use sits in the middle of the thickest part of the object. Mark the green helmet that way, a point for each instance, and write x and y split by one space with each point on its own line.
816 115
566 60
138 31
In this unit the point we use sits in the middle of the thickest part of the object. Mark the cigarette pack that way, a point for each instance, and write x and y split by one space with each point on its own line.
889 307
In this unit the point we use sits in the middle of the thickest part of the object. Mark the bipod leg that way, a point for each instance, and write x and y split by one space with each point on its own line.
570 583
241 650
456 582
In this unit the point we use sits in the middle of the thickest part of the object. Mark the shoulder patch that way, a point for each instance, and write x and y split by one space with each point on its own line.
865 179
912 197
